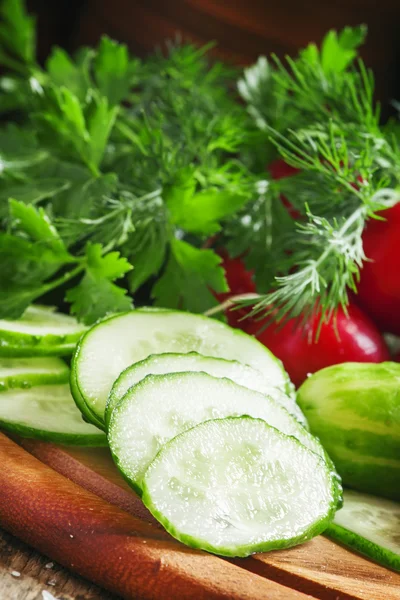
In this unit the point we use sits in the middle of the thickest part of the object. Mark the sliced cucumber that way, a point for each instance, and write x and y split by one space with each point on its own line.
25 372
39 332
162 406
121 340
159 364
237 486
47 412
371 526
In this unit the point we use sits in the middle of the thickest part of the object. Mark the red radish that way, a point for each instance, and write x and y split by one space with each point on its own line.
397 358
359 341
379 287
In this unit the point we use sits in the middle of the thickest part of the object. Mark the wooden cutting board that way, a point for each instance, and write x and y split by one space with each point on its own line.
72 505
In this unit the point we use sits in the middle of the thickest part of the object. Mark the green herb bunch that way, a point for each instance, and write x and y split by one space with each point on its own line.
319 114
118 169
115 169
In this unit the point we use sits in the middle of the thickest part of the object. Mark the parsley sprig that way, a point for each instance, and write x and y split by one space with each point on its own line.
131 164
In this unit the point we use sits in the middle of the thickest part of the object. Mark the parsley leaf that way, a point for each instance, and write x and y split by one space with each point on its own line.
201 212
339 51
96 295
83 128
17 35
36 224
63 71
31 252
113 70
189 277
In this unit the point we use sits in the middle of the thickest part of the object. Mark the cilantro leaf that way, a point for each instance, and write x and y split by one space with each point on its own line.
189 278
96 295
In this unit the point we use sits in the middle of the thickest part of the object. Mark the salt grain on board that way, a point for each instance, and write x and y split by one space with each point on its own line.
49 565
15 573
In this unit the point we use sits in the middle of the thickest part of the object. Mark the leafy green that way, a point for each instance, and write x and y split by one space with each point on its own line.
339 51
119 162
114 70
37 226
202 211
189 277
96 295
64 72
82 128
17 35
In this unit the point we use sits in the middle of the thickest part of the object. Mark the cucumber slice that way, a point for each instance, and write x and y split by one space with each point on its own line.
47 412
25 372
162 406
369 525
121 340
160 364
236 486
39 332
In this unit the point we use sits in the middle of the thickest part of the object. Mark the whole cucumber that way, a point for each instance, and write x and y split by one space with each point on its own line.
354 408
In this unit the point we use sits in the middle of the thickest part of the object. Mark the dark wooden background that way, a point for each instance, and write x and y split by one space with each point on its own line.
243 29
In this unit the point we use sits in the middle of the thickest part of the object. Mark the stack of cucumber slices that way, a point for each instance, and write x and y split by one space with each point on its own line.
35 396
202 423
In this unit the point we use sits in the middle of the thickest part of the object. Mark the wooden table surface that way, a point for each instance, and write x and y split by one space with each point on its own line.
27 575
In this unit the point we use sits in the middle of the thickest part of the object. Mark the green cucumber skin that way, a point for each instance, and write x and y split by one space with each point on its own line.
357 395
69 439
100 418
22 345
363 546
31 379
113 399
244 551
79 400
383 479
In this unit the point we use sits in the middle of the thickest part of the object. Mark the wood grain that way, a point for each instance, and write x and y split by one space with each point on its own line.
35 574
321 567
110 547
244 29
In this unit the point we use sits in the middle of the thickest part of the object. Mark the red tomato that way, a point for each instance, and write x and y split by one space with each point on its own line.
379 287
280 169
240 281
359 341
